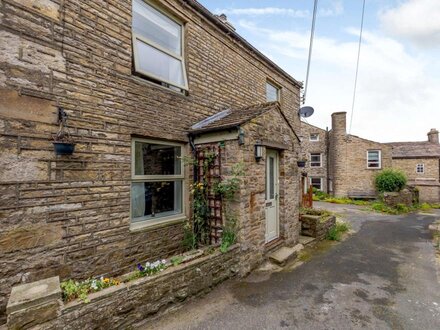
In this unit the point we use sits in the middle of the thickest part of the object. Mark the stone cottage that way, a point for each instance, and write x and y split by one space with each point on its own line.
314 144
353 162
420 161
133 77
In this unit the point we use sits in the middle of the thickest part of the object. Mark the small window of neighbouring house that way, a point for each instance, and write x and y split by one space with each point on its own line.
158 46
157 180
272 92
373 159
316 183
420 168
315 160
314 137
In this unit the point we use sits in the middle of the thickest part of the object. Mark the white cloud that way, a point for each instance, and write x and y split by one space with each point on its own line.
397 95
416 20
264 11
335 8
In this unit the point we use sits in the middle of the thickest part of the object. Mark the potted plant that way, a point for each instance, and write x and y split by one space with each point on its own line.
63 143
301 162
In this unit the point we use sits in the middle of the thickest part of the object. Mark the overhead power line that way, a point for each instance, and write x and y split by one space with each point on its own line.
312 34
357 68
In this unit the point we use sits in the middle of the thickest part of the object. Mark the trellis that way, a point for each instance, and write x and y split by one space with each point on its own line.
208 166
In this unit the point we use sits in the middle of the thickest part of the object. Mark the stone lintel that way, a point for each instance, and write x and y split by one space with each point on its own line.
33 294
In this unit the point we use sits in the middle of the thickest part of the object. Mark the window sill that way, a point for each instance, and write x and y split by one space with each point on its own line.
148 225
159 87
374 168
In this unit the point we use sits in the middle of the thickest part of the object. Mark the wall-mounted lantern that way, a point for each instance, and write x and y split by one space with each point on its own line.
258 150
240 136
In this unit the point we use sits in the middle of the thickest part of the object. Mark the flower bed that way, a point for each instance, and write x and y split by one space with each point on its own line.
133 302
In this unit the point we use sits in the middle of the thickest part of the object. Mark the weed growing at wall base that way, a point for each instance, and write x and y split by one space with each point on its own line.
335 232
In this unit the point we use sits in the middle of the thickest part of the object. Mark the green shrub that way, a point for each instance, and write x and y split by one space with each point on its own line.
319 195
390 180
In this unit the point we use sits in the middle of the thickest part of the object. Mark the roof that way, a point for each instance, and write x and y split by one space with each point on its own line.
423 149
225 28
232 118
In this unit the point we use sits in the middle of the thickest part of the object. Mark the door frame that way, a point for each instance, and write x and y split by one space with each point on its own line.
275 153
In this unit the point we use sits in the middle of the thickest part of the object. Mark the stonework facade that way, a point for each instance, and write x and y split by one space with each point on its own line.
352 163
314 142
70 215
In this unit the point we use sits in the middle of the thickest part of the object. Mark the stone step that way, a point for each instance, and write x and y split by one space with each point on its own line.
305 240
284 254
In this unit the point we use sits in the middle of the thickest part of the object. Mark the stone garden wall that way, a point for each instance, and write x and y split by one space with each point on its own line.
124 306
316 226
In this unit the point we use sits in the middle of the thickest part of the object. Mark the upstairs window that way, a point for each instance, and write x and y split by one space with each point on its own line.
420 168
158 46
314 137
373 159
315 160
157 181
272 93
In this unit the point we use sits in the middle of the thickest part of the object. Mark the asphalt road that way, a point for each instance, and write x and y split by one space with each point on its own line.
384 276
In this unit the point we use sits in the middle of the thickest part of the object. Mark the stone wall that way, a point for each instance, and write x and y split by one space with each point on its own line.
309 147
428 192
71 213
125 306
408 166
348 159
316 226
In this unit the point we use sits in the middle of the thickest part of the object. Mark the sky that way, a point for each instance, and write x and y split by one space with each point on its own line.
398 88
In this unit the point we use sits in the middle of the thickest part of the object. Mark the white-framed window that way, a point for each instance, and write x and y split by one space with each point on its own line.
374 159
316 183
314 137
157 180
315 160
272 92
420 168
158 46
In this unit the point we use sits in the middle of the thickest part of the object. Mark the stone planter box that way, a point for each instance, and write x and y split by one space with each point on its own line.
316 226
123 306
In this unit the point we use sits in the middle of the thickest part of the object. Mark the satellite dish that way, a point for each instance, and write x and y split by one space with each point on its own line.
306 111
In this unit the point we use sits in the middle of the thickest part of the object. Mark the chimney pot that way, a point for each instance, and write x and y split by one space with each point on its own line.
433 136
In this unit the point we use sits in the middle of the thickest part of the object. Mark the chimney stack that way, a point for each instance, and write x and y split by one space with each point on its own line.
224 19
433 136
339 122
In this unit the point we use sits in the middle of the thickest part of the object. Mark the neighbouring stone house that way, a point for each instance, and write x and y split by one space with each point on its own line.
420 161
353 162
123 196
314 143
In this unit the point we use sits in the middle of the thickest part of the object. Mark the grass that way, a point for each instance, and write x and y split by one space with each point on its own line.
377 205
335 232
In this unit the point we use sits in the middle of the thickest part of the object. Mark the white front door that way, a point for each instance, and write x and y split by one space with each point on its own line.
272 191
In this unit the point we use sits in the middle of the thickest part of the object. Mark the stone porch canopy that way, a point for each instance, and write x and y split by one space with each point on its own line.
232 119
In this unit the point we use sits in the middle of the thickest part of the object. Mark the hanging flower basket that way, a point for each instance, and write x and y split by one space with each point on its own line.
301 163
64 148
63 143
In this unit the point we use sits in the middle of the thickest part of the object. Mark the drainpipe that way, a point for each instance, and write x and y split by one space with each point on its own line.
327 150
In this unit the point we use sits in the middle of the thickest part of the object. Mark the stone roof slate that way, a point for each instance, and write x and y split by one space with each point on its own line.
415 149
232 117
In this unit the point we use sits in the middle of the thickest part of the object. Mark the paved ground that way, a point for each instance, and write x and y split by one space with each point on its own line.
384 276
